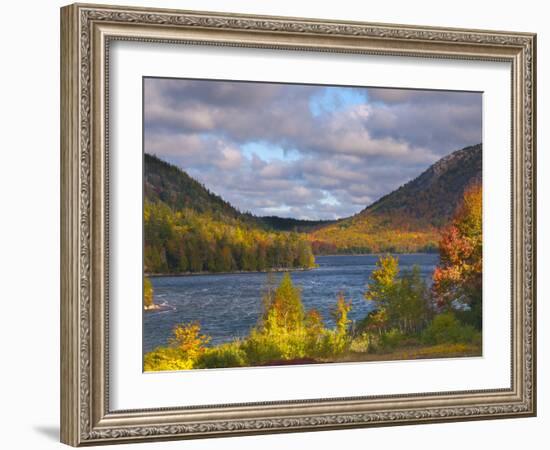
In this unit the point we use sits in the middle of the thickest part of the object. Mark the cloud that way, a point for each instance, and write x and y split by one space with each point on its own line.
439 120
304 151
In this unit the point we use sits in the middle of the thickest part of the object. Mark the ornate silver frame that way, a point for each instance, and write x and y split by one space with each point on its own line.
86 31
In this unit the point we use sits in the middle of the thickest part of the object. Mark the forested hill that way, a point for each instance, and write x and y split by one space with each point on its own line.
172 186
169 184
409 218
188 229
432 197
290 224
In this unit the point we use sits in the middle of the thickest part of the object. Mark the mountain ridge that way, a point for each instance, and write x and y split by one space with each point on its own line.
170 184
446 179
173 186
407 219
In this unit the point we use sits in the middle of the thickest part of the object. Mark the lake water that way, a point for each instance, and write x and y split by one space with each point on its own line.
229 305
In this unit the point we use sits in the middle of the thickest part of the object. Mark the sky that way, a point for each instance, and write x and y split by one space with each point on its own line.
304 151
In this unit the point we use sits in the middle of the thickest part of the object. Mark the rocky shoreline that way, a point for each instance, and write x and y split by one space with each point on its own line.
155 307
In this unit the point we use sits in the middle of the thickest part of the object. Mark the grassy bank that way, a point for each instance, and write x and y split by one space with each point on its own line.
298 348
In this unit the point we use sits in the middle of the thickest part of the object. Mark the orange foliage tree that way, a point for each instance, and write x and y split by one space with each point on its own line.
457 281
189 340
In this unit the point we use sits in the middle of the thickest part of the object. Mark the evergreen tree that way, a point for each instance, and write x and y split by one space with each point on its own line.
284 308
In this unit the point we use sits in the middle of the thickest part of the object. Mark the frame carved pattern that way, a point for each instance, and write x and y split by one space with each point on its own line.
85 198
86 16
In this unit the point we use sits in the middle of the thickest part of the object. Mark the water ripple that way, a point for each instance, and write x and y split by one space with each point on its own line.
229 305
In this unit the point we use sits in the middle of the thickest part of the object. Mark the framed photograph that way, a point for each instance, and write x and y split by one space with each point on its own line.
275 224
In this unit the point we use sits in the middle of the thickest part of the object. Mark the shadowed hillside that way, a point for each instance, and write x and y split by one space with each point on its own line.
431 198
409 218
167 183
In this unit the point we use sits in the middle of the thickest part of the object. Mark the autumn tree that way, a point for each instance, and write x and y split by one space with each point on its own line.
457 281
340 313
147 293
315 326
283 307
188 339
402 302
305 255
381 290
412 301
226 259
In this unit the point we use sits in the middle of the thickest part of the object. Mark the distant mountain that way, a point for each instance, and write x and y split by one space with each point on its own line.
169 184
174 187
407 219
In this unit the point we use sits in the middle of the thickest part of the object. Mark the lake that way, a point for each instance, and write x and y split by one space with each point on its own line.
229 305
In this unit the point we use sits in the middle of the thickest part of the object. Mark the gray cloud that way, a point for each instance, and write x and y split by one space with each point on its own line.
319 164
439 120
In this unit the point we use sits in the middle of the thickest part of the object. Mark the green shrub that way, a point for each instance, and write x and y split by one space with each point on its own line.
410 340
186 346
224 355
361 343
337 341
447 329
401 301
375 345
334 343
286 331
166 358
262 347
391 339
